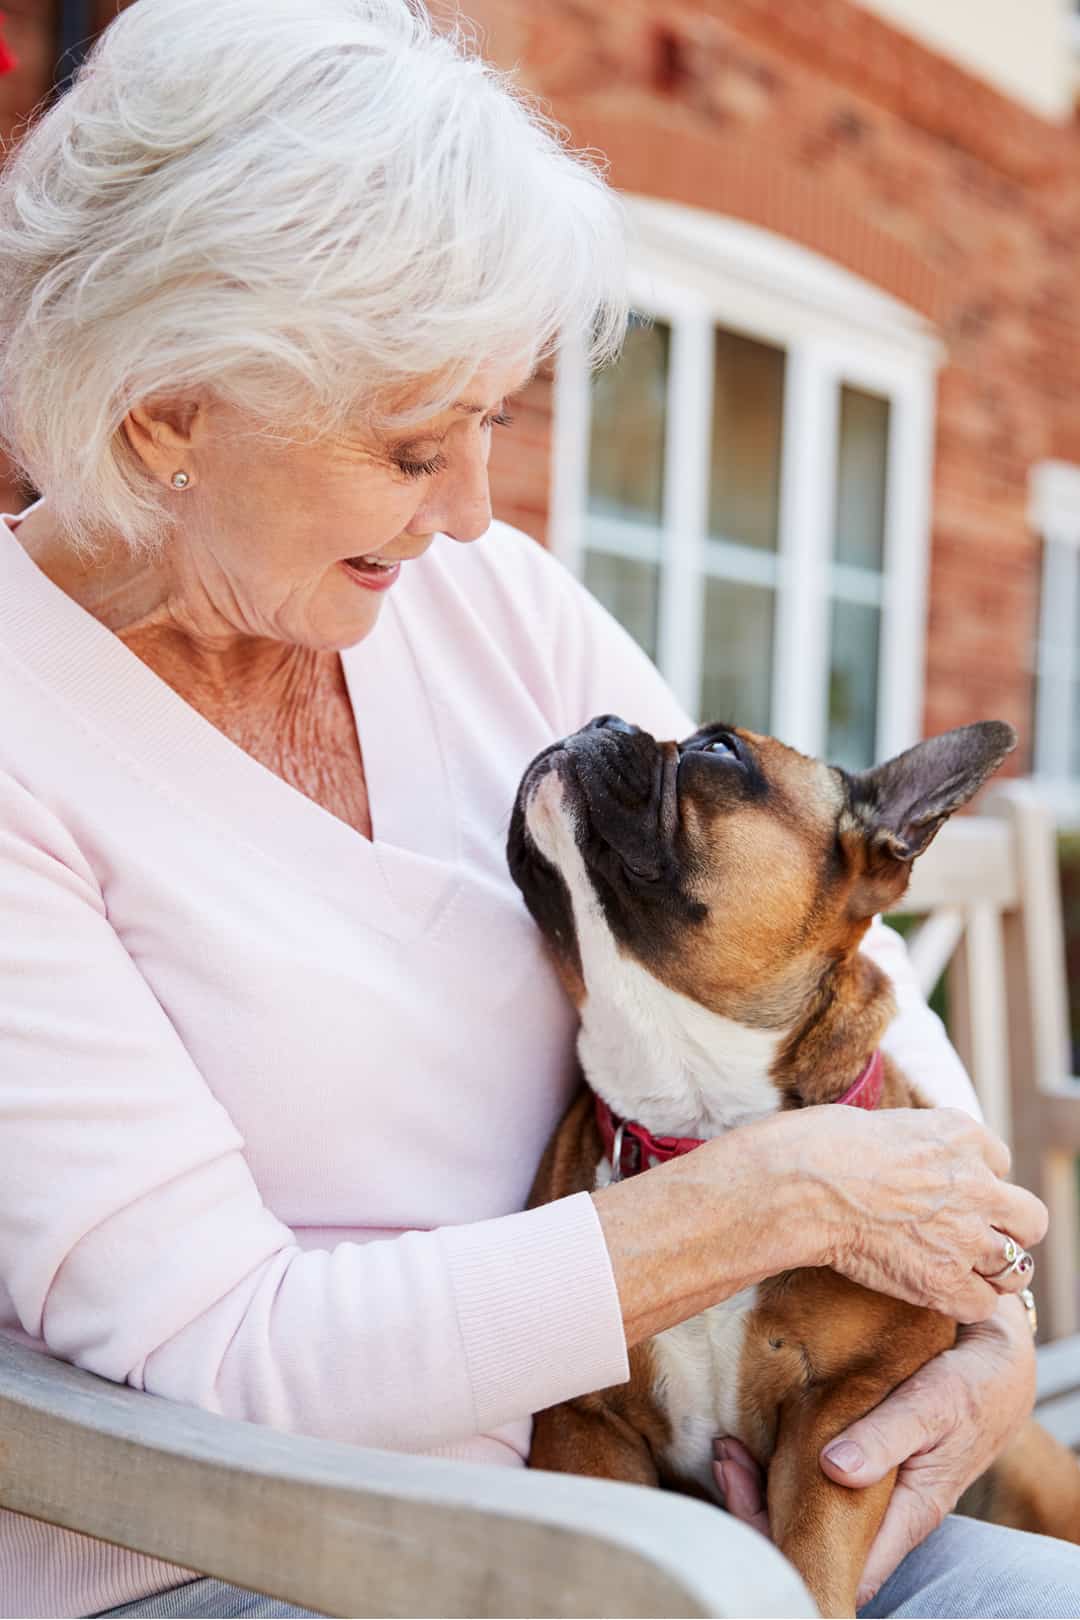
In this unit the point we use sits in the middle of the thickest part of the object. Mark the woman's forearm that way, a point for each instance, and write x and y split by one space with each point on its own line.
909 1202
702 1227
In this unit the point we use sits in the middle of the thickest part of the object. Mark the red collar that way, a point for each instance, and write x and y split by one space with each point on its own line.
639 1149
865 1092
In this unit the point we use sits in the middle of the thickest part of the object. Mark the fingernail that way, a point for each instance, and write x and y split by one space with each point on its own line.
720 1450
721 1479
845 1455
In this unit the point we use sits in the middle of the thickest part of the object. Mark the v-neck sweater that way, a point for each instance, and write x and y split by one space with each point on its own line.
272 1094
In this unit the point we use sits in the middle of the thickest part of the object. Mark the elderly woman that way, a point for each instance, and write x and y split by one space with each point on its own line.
280 1049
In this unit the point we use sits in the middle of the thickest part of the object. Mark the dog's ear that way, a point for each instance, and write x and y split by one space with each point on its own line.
895 809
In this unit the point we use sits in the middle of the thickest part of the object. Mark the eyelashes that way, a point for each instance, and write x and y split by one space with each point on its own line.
430 465
420 469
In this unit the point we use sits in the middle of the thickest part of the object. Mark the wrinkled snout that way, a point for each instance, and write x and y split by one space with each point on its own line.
611 785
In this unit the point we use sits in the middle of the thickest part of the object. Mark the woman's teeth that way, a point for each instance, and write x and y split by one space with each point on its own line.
371 562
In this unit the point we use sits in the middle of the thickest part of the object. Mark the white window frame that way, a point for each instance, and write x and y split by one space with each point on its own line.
695 271
1054 514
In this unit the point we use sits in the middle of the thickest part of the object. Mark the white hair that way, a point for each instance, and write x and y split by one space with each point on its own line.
300 207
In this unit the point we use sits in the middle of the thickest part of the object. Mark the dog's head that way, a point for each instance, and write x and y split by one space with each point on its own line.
727 867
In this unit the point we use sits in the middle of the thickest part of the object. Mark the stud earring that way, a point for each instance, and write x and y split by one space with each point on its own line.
180 480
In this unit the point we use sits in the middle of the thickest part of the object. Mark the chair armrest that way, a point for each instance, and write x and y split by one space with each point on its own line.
349 1531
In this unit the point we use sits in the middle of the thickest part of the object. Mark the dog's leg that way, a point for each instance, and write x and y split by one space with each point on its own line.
1034 1485
588 1437
825 1529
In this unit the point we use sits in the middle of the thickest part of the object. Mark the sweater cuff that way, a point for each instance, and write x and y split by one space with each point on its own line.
537 1308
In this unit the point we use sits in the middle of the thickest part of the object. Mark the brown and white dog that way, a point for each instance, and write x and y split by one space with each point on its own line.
704 902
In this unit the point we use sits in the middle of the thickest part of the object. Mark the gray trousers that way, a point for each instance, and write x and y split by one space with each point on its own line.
968 1570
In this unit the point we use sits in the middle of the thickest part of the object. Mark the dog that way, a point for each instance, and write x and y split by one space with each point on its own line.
704 903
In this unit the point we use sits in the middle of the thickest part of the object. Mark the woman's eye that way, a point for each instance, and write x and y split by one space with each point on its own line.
420 469
428 466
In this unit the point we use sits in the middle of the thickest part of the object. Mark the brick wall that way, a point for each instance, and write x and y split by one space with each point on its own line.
815 119
30 30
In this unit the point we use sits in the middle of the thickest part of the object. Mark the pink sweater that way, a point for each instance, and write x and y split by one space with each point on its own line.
272 1096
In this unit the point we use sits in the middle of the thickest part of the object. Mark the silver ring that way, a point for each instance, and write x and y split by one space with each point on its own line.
616 1153
1010 1254
1016 1259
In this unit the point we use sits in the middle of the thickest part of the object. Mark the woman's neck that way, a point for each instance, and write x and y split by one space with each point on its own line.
138 599
286 705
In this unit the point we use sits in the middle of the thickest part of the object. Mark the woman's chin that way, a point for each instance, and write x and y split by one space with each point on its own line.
345 629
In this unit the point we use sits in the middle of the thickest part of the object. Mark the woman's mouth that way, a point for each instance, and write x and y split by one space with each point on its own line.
373 573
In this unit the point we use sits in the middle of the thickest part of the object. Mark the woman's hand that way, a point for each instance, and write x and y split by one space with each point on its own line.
909 1202
941 1428
912 1204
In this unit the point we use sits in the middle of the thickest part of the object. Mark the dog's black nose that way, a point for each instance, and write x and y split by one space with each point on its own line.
611 722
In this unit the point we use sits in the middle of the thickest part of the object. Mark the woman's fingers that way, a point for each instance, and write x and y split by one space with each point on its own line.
1005 1263
1014 1211
931 1212
1020 1214
727 1448
742 1482
976 1301
995 1152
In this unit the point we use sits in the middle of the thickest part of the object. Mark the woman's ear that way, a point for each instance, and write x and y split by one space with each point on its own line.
164 433
895 810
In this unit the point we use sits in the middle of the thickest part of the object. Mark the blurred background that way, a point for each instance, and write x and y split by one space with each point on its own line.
833 486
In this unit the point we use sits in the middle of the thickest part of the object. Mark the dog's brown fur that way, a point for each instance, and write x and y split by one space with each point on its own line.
819 1351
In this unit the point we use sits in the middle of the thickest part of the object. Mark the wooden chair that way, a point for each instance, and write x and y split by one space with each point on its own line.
989 890
989 893
347 1531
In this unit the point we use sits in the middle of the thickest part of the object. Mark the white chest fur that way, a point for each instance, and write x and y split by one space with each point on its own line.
679 1069
656 1056
696 1378
666 1061
697 1383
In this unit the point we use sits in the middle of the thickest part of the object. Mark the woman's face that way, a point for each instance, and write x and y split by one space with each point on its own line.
267 530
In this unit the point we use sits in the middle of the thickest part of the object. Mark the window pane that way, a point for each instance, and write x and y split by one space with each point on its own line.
736 677
1069 858
629 591
1074 706
853 683
861 465
748 405
1069 867
629 419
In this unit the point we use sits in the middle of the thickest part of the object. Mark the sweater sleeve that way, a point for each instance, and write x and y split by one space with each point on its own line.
134 1242
916 1038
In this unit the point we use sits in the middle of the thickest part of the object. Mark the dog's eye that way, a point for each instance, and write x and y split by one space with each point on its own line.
719 746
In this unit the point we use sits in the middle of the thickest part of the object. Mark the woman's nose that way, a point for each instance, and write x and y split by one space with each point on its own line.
461 503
